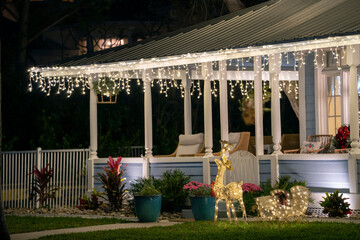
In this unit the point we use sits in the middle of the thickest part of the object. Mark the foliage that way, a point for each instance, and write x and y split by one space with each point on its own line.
342 138
113 183
224 230
140 183
174 196
250 192
22 224
106 86
335 205
91 203
149 190
170 187
197 189
41 186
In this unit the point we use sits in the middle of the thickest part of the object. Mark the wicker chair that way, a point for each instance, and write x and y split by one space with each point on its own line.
325 144
240 141
188 146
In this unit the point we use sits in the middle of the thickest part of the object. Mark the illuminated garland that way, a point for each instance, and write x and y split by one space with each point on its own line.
170 77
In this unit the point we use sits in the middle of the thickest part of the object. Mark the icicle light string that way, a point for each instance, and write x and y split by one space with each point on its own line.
168 77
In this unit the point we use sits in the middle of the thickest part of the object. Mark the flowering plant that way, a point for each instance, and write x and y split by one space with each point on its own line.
249 187
342 138
197 189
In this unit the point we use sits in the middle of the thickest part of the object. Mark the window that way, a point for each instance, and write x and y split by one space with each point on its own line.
334 103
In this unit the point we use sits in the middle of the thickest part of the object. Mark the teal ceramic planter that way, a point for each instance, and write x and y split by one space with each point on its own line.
147 208
203 208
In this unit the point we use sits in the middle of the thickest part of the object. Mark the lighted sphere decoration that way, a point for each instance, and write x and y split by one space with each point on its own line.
229 192
284 205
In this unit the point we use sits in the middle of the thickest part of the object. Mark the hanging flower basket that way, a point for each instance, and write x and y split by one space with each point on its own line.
104 99
106 90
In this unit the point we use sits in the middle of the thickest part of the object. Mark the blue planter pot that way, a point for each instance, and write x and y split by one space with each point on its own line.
147 208
203 208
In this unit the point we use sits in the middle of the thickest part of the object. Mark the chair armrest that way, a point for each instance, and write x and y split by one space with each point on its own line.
187 155
292 151
164 156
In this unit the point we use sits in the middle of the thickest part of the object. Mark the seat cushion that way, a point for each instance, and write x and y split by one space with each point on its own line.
310 146
190 144
234 138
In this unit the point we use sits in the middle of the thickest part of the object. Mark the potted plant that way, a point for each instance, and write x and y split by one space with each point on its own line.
334 205
148 203
202 200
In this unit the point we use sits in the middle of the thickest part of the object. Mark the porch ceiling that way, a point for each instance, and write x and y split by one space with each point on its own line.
273 22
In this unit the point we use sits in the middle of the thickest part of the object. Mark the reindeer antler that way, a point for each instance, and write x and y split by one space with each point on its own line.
224 158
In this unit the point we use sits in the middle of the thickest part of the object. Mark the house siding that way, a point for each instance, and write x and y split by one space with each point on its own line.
320 176
192 169
358 174
265 170
310 95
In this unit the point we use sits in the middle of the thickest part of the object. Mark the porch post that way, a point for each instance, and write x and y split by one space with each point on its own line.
93 119
224 114
147 113
186 83
274 71
353 59
206 73
259 133
345 101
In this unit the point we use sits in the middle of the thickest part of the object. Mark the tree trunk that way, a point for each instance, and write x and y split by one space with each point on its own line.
4 233
23 42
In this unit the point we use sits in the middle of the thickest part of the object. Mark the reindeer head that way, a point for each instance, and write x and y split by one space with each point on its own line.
223 157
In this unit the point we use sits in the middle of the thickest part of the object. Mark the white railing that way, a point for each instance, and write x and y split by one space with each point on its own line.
69 168
131 151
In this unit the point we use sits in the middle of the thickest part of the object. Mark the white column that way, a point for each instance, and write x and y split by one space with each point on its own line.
93 119
302 104
186 83
274 71
259 133
353 59
345 99
206 73
147 113
224 114
321 113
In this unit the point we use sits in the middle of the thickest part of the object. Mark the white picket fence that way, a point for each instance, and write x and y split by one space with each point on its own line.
69 168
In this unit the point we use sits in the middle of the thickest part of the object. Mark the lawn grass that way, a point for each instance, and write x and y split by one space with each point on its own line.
21 224
224 230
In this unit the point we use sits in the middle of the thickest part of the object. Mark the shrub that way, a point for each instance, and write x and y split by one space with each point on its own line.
335 205
91 203
283 183
174 195
149 190
170 186
41 186
250 192
113 183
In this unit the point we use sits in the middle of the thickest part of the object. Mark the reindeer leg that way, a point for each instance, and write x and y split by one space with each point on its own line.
216 210
234 213
228 210
243 209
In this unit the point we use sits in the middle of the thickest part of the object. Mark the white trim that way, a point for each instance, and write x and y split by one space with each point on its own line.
192 58
345 97
311 157
124 160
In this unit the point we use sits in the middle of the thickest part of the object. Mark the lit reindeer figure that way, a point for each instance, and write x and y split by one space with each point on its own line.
230 191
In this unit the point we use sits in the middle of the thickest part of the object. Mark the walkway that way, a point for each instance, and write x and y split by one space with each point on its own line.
35 235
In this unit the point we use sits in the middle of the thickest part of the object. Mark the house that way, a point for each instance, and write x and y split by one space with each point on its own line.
322 36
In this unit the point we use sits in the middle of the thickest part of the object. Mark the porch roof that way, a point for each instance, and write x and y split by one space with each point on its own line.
273 22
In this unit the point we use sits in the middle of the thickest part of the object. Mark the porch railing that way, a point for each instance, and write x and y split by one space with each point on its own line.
69 168
131 151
